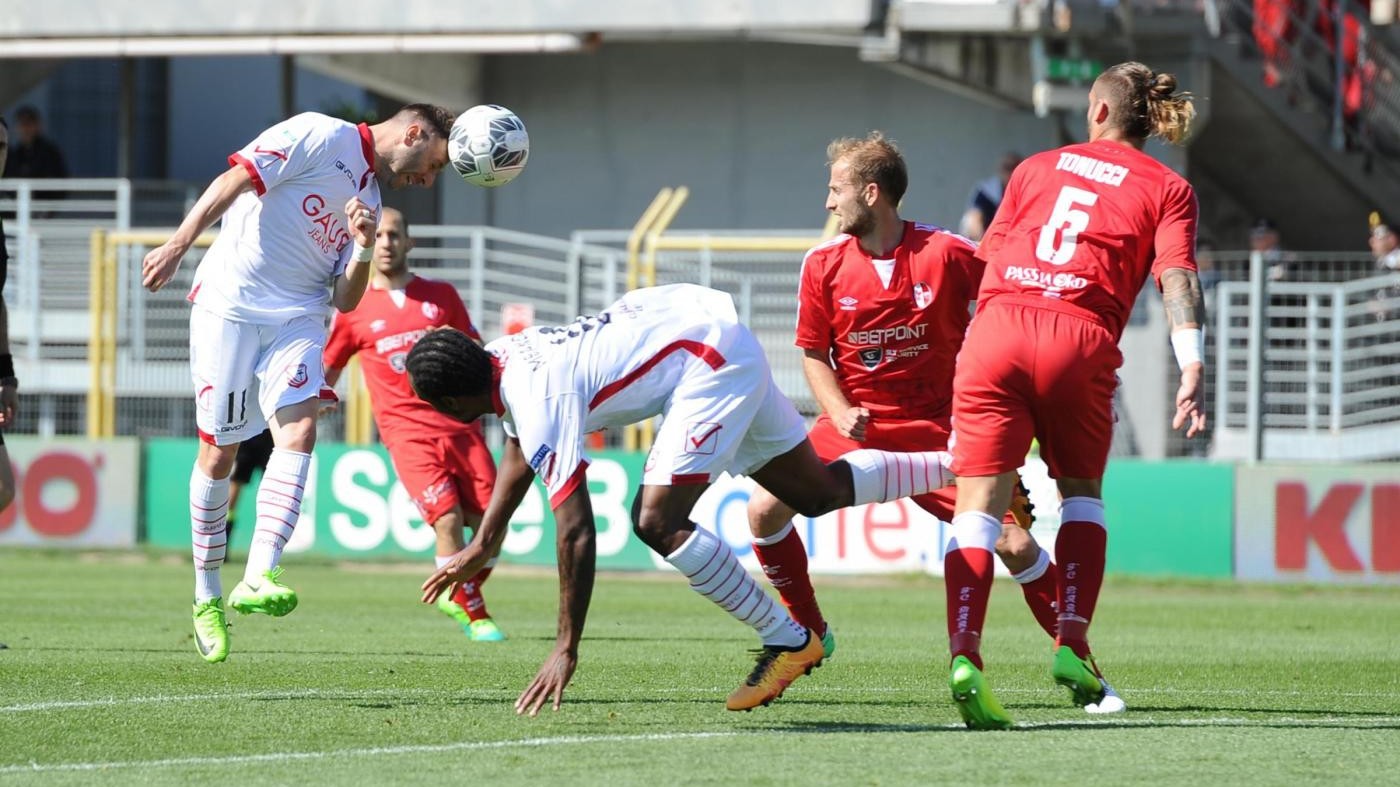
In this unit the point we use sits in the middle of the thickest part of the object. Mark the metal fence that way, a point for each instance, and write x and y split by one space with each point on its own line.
140 340
1307 369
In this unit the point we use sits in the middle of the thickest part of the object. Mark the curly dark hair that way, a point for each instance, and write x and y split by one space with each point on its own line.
447 362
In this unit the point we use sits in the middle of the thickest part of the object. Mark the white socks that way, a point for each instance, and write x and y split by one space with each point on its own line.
716 574
1036 571
976 530
208 532
279 505
882 476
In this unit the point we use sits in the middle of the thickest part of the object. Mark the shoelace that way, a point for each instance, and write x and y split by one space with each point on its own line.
766 657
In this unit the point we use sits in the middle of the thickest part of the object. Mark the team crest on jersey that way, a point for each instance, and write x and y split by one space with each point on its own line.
870 356
848 304
299 377
377 325
431 310
923 295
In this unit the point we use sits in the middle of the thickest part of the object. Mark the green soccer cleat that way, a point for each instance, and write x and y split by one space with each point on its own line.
485 630
269 597
828 643
1078 676
211 630
978 706
453 610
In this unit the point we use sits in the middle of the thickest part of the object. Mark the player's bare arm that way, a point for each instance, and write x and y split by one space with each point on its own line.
350 287
1185 307
850 420
159 266
576 553
9 388
513 479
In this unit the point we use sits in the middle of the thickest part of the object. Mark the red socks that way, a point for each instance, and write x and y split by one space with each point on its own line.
967 577
1080 551
469 596
784 561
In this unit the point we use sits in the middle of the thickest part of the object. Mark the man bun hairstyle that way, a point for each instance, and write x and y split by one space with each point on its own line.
446 362
875 159
1144 103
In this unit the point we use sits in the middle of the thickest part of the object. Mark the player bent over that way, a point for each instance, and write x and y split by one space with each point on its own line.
678 352
443 464
1080 230
882 311
299 206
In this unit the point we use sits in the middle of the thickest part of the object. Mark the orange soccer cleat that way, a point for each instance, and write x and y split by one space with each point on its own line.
775 670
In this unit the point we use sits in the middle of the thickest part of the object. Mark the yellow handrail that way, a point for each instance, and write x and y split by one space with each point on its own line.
102 303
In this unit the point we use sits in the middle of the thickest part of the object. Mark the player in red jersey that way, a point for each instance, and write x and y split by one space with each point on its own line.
444 464
1079 232
882 310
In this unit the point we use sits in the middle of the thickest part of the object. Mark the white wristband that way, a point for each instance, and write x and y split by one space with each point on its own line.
1189 346
362 254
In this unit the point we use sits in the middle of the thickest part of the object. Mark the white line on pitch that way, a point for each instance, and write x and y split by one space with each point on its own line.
570 740
486 694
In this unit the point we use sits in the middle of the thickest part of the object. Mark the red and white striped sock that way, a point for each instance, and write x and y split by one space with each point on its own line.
279 505
881 476
1080 550
208 532
1040 585
784 560
967 577
716 574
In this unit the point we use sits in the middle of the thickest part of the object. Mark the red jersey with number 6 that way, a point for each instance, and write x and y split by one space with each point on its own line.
1084 225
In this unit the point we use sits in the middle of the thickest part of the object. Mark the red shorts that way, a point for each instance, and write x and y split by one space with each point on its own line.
887 434
1033 372
441 470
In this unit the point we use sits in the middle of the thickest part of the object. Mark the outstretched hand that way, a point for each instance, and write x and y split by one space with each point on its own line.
1190 406
458 569
549 682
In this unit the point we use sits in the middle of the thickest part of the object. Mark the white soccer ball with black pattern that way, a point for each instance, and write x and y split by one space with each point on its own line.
488 145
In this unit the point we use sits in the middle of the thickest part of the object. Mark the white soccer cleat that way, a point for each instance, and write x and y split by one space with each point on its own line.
1111 702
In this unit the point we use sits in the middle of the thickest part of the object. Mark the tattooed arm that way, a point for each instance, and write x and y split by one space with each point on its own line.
1181 295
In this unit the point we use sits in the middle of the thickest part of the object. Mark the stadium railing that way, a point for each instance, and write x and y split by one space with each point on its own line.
1307 369
137 343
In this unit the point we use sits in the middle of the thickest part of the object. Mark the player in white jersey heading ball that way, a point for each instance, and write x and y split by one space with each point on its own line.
678 352
300 204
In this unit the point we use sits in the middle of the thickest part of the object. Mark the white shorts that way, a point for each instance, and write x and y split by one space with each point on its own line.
245 372
731 419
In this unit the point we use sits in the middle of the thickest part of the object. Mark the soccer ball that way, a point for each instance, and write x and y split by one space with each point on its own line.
488 145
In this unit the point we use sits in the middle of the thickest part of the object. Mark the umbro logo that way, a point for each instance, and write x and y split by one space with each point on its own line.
377 326
848 304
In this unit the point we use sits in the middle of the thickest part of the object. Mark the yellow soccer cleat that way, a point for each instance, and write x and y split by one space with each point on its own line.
776 669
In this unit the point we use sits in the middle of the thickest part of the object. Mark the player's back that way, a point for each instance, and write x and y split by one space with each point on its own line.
1084 225
619 366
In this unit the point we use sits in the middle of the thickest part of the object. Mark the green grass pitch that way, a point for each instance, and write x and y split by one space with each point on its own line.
1225 685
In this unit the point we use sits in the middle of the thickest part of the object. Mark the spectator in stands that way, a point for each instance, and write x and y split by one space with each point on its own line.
1206 269
9 384
35 155
1274 31
986 198
1385 248
1264 237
